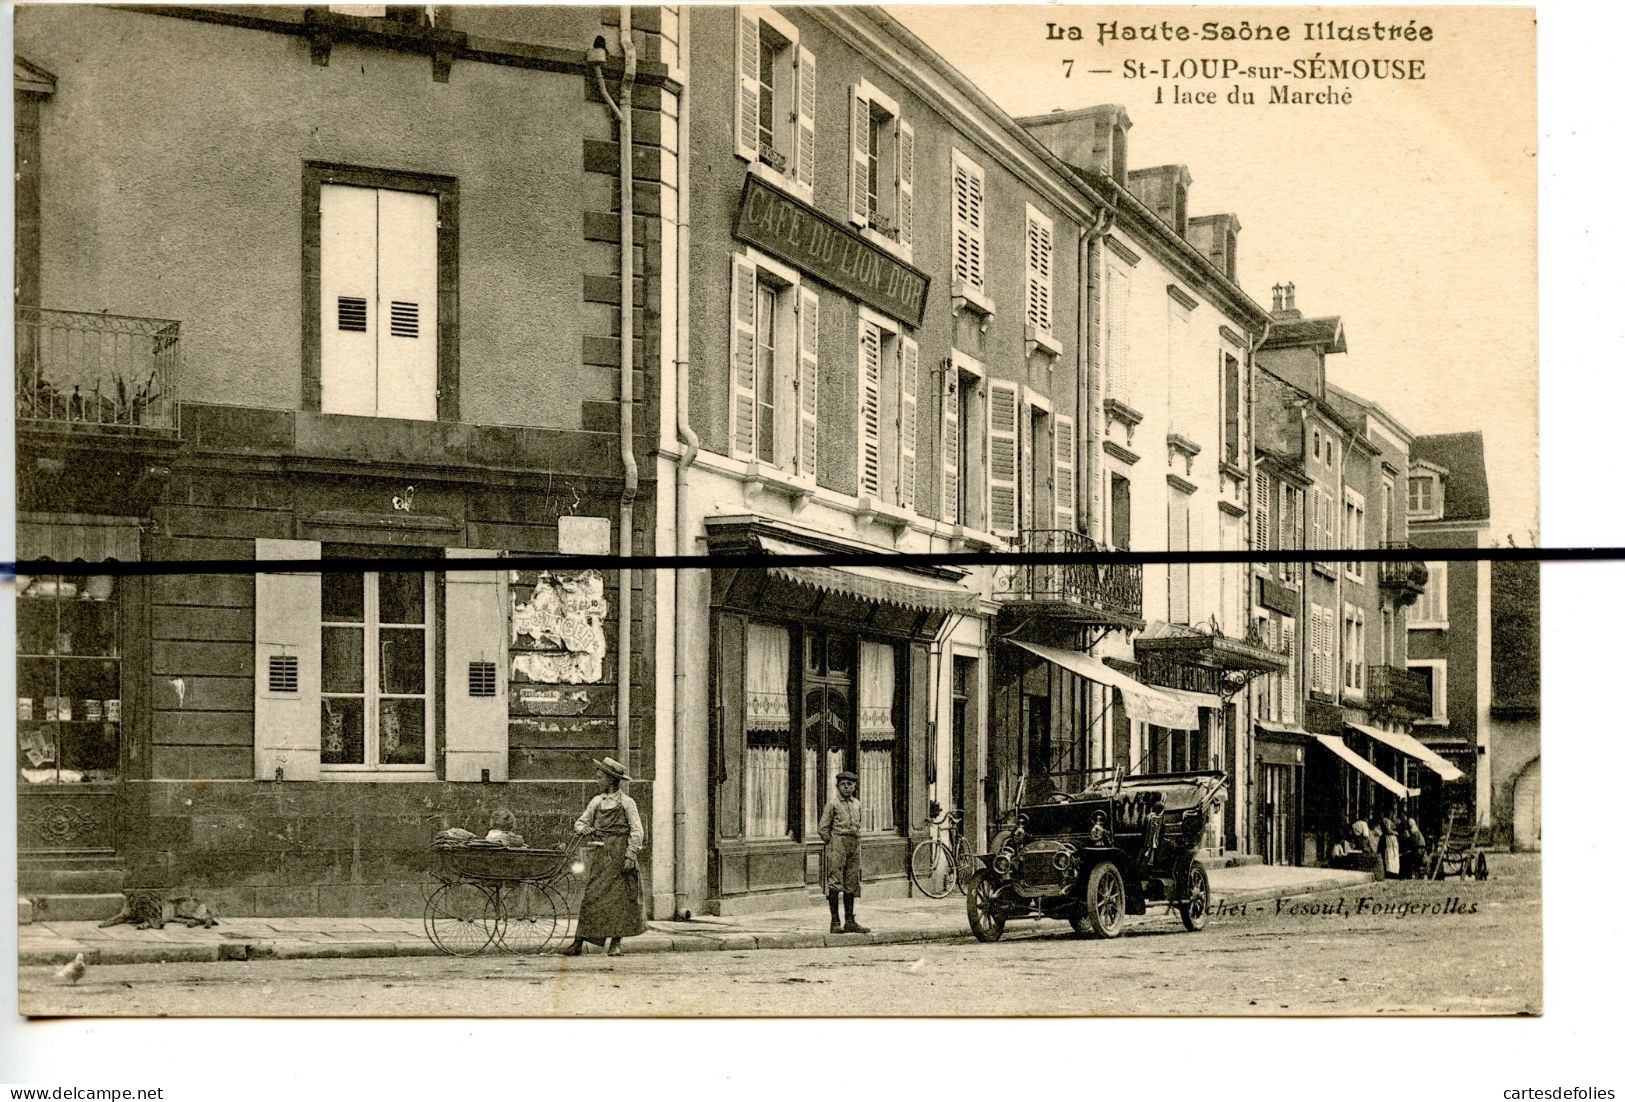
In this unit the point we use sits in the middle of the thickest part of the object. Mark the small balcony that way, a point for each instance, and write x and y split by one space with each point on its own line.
1083 592
1399 693
1404 579
97 373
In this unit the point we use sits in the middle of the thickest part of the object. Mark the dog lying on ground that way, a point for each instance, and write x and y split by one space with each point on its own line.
152 910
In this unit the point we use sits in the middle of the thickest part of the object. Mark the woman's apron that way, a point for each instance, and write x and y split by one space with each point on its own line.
612 905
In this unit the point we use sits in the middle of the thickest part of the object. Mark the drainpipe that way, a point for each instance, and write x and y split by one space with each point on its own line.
691 448
629 462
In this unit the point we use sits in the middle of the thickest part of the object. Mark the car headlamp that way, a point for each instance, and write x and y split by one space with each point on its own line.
1005 861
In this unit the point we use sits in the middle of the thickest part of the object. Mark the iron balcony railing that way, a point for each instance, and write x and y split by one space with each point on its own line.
1109 590
1407 578
1398 692
105 372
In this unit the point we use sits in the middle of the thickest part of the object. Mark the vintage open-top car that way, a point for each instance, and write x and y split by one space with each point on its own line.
1094 856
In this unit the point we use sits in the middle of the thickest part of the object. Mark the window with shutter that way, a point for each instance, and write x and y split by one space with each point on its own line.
949 407
1040 273
1066 486
862 157
1179 573
806 115
869 410
476 681
1118 380
1261 511
807 385
882 174
287 654
1003 409
968 227
747 103
905 184
379 283
907 421
742 423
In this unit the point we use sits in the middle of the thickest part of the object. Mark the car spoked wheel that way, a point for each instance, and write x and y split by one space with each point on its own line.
1105 903
1193 912
983 908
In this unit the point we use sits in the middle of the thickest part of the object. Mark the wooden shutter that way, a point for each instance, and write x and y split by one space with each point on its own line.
869 411
920 751
1003 409
1066 483
950 442
1117 336
747 103
1040 276
807 383
408 324
859 156
476 632
905 183
908 421
967 222
728 721
742 421
349 295
1261 511
288 627
806 114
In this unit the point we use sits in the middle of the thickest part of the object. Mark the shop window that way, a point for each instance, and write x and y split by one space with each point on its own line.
768 761
877 735
69 667
882 175
776 101
381 270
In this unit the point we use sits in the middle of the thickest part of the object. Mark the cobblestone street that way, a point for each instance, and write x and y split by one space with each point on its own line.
1397 947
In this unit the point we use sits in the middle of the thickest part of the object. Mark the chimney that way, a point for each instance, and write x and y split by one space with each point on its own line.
1285 305
1214 236
1166 190
1093 139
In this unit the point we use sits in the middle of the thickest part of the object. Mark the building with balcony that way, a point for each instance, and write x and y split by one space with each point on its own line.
386 326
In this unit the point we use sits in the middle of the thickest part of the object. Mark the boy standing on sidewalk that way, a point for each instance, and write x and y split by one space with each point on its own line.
840 826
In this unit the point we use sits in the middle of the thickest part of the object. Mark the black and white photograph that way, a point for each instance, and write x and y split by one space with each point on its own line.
777 512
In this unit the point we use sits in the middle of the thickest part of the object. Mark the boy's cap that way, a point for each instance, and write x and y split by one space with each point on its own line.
843 775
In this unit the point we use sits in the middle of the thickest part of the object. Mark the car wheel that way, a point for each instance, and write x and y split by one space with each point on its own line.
983 908
1106 901
1193 912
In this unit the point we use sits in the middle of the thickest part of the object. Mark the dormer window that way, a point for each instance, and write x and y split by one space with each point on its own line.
1423 499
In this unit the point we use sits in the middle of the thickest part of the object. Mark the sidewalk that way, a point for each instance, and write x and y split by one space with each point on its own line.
892 921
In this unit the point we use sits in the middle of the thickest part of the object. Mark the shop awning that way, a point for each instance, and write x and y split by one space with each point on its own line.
69 537
870 583
1340 748
1140 701
1410 747
1268 728
1191 697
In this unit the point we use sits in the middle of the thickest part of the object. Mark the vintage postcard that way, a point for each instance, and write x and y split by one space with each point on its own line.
776 511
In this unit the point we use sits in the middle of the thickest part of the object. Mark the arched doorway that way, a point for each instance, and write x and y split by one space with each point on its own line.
1526 808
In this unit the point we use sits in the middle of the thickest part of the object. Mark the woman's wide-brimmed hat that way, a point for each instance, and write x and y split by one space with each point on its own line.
844 775
611 767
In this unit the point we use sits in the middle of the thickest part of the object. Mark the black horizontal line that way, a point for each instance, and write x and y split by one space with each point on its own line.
898 560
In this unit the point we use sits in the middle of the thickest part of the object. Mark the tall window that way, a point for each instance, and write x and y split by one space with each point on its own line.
767 731
882 157
1354 649
1232 409
775 104
1433 677
1422 497
969 229
1179 574
1354 532
378 289
877 735
377 650
1118 379
1432 610
1291 524
1121 514
964 436
888 412
1040 278
774 367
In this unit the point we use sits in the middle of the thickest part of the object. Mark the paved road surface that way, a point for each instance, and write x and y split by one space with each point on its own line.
1468 948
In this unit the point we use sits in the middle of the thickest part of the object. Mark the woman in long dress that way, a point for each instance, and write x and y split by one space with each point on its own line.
612 905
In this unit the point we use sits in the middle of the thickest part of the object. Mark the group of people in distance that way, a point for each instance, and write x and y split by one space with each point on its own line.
1395 847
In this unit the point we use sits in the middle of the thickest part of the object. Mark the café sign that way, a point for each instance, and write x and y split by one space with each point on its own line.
779 223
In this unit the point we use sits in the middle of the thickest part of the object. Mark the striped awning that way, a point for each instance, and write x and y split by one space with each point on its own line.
888 585
82 537
1410 747
1365 768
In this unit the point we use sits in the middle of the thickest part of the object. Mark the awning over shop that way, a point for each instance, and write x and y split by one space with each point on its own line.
1268 728
1191 697
66 537
1410 747
870 583
1140 701
1338 747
